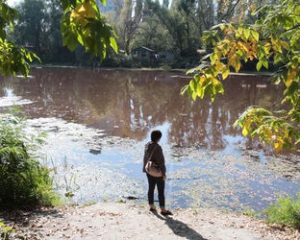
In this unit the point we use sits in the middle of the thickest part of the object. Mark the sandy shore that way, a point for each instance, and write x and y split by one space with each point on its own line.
134 221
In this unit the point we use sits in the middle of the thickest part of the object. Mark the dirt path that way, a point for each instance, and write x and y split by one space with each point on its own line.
133 221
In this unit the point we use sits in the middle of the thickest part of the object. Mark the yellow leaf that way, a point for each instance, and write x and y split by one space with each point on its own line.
237 65
74 15
288 81
267 47
247 33
225 73
231 59
268 133
255 35
219 66
278 145
212 57
202 79
82 11
285 45
217 85
239 32
215 57
200 88
245 131
276 44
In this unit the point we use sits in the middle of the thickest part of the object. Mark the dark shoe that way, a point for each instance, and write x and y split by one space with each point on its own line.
152 209
166 213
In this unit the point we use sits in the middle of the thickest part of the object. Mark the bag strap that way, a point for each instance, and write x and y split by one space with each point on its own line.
149 159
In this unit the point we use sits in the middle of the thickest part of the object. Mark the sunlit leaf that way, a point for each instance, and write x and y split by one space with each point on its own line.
247 33
217 85
245 131
265 63
285 45
113 44
255 35
193 85
288 81
259 65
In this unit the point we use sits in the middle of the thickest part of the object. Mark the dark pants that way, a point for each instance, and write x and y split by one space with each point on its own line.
153 181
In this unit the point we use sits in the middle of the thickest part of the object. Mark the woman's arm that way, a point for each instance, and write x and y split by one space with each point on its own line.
160 159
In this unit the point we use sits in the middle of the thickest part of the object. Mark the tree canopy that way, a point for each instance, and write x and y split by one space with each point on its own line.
273 39
48 27
81 24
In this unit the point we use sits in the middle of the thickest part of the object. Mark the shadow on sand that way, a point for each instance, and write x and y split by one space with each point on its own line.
23 218
180 228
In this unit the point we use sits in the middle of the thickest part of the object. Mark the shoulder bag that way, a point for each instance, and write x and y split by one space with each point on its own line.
152 168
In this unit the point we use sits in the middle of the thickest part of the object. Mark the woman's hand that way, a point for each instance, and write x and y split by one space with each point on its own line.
164 177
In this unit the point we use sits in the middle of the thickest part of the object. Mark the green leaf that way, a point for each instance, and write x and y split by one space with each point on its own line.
200 90
70 40
259 65
215 57
103 2
255 35
247 33
279 57
113 44
193 85
194 96
265 63
184 89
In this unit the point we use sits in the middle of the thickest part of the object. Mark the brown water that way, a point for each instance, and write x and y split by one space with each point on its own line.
130 103
98 122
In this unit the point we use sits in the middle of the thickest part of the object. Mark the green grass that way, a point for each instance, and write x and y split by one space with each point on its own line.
5 231
285 212
249 213
24 182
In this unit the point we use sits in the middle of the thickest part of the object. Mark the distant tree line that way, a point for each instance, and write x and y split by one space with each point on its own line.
174 26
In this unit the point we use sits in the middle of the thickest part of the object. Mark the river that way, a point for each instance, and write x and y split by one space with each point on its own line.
98 121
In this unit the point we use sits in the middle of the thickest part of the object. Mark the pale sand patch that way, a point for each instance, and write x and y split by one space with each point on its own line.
13 101
134 221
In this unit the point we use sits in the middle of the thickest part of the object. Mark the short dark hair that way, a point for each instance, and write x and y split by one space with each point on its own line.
155 135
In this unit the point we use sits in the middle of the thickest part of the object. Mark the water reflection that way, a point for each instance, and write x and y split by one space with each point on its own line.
207 162
130 103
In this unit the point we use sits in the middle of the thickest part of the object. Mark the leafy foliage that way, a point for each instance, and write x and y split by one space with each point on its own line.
271 129
23 181
275 38
13 59
5 231
286 212
172 26
82 24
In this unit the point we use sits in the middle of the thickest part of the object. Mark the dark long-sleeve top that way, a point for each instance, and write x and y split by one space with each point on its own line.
157 156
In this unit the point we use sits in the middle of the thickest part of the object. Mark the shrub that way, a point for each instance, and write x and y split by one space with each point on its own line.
286 211
24 182
5 231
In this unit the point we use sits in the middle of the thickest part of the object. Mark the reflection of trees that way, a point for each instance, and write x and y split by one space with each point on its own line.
6 82
244 91
129 103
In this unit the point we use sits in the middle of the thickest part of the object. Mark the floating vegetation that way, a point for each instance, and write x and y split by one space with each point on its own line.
238 179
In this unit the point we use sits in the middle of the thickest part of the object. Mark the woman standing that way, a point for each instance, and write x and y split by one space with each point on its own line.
155 149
